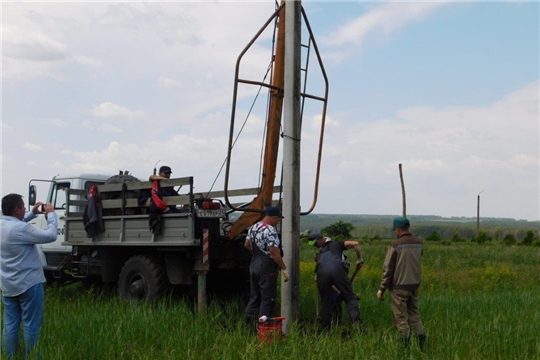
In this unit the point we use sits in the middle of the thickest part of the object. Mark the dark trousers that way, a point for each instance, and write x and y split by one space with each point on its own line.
339 279
263 276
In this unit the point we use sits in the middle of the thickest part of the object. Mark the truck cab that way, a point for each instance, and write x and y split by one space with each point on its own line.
54 255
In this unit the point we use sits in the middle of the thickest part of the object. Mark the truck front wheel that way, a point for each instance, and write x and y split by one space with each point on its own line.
142 279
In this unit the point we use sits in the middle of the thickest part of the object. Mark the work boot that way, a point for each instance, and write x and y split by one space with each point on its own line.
421 341
324 327
358 325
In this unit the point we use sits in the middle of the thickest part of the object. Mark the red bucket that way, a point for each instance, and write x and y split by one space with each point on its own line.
270 329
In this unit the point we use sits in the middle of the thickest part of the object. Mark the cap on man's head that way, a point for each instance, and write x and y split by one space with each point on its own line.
165 169
401 223
273 211
313 237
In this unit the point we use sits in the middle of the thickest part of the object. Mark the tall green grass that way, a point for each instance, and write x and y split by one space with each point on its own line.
477 302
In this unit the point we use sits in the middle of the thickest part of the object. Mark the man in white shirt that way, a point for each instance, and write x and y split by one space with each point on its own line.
21 271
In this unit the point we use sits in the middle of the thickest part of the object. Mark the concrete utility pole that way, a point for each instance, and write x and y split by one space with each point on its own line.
291 163
478 214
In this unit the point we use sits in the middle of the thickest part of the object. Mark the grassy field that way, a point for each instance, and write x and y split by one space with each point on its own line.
477 302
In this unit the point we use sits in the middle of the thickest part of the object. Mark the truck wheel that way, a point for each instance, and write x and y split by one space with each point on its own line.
119 179
142 279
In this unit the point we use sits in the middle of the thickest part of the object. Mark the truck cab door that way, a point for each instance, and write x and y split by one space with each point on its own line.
58 198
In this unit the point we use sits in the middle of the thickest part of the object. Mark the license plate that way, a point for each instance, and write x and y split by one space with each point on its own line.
214 213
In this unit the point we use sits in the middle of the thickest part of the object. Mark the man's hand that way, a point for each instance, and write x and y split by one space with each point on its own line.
285 275
380 295
49 208
35 208
359 264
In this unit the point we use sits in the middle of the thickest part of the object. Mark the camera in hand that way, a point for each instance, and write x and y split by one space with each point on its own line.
42 207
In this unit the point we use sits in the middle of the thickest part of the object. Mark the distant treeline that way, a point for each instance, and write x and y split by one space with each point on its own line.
424 225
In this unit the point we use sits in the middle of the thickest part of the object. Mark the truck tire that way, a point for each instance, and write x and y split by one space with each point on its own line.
120 179
142 279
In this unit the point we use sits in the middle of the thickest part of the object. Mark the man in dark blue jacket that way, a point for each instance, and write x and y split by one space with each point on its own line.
332 269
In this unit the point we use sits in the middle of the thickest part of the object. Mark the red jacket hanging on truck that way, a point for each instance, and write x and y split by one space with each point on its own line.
157 207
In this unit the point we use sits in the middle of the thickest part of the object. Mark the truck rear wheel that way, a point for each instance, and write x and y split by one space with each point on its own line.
142 279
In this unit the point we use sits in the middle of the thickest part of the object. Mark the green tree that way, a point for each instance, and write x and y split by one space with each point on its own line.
482 238
509 239
457 238
434 236
376 238
339 231
528 239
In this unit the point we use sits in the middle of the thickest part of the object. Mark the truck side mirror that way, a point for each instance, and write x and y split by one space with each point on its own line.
32 195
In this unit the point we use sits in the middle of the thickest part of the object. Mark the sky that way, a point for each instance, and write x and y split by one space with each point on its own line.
450 90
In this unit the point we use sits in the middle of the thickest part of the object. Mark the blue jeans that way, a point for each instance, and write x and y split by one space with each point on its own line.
27 307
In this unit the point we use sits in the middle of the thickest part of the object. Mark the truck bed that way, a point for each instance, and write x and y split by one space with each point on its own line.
133 230
129 226
124 229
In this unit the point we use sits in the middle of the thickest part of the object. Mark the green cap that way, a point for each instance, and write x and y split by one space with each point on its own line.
401 222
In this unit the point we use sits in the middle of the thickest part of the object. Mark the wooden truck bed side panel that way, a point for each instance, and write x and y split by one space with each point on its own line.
134 231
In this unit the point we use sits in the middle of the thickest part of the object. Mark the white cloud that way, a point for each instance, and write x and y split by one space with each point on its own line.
382 18
25 70
60 148
525 160
32 147
59 123
4 127
166 83
87 124
24 44
87 60
27 51
109 128
110 110
35 45
58 165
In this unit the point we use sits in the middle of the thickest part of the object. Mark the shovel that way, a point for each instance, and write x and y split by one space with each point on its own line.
354 274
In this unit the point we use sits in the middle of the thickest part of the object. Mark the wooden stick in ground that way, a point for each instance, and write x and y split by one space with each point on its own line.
403 191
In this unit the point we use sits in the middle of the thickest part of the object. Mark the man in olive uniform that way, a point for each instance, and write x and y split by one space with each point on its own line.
402 276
